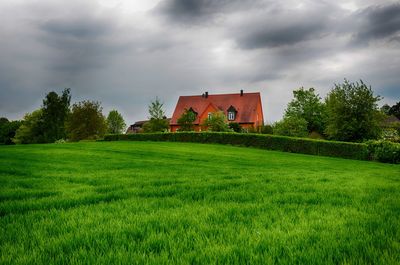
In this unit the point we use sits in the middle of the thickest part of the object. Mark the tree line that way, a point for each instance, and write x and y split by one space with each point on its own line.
349 113
57 120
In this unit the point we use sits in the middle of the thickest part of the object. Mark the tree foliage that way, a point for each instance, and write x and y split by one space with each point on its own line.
156 109
115 122
86 121
158 122
395 110
55 111
30 131
352 112
291 126
236 127
8 130
385 109
217 122
267 129
186 120
307 105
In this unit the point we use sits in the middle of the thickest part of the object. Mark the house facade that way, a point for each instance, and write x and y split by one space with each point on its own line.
242 108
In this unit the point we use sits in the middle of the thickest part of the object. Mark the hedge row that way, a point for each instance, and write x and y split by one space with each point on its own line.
271 142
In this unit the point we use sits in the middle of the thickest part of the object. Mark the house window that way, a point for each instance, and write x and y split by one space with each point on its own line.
231 113
231 116
209 115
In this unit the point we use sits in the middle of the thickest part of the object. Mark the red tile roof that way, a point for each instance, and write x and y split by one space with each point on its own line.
246 105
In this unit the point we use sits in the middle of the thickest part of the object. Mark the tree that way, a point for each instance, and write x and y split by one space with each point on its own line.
55 113
352 112
385 109
291 126
307 105
115 122
395 110
30 131
217 122
186 120
158 122
8 130
86 121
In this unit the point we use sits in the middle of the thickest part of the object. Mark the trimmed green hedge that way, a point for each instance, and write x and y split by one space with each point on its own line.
270 142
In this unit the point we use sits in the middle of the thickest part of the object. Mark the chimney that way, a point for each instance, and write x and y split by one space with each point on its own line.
206 94
241 92
202 95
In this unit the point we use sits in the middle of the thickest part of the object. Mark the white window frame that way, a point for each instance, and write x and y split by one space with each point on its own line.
231 116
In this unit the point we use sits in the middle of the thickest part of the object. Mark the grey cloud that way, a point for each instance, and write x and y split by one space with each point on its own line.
79 45
282 26
203 11
378 22
280 34
79 28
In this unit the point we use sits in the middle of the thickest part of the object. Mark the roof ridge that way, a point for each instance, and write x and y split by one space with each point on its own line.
230 94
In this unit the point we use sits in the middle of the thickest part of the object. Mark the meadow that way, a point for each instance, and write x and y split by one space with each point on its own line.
187 203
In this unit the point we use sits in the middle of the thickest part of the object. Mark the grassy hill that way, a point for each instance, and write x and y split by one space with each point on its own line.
181 203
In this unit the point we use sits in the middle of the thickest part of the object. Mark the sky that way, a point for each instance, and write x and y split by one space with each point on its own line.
125 54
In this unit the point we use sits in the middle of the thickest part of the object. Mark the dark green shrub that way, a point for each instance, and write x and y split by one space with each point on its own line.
235 127
267 129
384 151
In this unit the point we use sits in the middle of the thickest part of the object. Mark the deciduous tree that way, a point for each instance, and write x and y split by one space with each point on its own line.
8 130
217 122
307 105
395 110
31 129
55 111
186 120
157 120
115 122
353 113
86 121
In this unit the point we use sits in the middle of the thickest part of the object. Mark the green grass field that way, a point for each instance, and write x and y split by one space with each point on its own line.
182 203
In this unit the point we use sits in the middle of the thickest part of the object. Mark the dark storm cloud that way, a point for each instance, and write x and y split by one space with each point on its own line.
282 26
79 43
286 33
202 11
378 22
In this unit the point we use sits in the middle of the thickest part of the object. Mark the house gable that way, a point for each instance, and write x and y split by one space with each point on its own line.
246 107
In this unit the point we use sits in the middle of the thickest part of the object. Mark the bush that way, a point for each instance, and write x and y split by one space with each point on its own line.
236 127
384 151
291 126
267 129
8 130
270 142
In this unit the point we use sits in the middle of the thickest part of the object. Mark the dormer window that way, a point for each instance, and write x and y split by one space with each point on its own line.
232 113
231 116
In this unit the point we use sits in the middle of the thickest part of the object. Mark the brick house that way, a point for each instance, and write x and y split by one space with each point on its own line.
242 108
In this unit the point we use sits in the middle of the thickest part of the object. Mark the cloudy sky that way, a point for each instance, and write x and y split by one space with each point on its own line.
126 53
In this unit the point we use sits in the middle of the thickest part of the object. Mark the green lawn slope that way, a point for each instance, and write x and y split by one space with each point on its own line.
185 203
